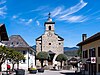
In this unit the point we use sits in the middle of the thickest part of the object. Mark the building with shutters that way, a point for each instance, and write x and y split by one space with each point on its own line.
18 43
90 48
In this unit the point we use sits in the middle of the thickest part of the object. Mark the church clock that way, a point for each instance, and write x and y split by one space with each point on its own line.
49 34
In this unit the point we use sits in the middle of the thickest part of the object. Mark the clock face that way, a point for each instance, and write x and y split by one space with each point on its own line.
49 34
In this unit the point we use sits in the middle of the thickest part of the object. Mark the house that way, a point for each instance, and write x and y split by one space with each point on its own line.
3 33
50 42
90 48
18 43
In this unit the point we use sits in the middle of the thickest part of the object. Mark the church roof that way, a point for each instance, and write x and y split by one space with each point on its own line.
59 38
49 23
38 39
49 20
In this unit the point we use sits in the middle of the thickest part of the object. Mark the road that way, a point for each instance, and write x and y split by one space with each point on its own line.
63 72
50 72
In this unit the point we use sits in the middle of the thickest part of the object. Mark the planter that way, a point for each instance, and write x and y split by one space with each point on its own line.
41 70
20 72
33 71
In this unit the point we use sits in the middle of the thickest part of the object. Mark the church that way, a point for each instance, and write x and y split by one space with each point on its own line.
49 42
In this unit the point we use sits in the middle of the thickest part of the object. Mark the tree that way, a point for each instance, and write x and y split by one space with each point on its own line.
4 54
8 53
15 57
42 56
61 58
79 52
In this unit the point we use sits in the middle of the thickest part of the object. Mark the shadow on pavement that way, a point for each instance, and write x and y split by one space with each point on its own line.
71 73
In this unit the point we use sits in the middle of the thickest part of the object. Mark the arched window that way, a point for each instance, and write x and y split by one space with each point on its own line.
49 27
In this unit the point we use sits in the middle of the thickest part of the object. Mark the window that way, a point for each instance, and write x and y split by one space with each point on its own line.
98 67
92 52
31 52
89 52
9 60
86 67
59 43
85 54
49 43
17 43
24 52
98 51
24 60
49 27
12 43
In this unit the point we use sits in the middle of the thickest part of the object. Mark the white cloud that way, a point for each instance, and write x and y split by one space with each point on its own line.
29 21
73 19
68 14
76 19
3 11
25 21
2 2
56 11
39 8
14 16
73 9
62 14
22 20
38 23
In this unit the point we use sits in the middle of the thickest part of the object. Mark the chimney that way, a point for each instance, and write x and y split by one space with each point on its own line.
84 36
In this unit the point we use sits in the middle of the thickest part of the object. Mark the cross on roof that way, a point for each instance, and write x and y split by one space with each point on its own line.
49 15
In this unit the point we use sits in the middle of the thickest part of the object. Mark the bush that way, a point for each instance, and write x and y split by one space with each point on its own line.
33 69
42 56
61 58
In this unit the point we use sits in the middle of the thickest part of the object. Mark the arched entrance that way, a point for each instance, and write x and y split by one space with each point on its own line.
50 60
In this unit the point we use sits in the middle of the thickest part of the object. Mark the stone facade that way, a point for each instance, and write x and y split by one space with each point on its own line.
49 41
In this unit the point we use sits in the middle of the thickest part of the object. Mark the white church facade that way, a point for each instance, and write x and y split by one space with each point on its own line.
50 42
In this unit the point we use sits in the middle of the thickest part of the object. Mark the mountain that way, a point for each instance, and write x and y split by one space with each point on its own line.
70 51
70 48
67 50
34 46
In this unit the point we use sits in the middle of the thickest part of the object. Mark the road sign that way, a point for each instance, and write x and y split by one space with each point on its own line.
93 59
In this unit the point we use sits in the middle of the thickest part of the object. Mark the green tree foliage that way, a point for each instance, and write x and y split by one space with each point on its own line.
15 57
4 54
79 52
42 56
8 53
61 58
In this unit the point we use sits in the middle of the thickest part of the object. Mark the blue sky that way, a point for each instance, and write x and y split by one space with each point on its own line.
72 17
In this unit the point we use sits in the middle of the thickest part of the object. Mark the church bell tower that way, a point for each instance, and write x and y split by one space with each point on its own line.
49 25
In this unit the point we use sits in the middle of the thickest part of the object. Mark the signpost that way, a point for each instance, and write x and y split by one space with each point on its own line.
93 62
93 59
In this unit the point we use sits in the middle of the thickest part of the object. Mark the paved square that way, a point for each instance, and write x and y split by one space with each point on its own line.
48 72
